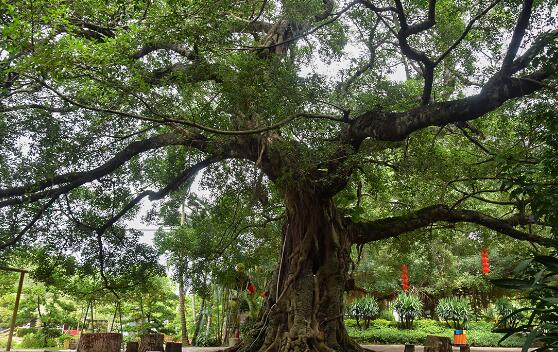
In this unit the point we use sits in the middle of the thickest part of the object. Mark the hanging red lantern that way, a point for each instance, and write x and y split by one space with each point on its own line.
251 288
484 260
404 277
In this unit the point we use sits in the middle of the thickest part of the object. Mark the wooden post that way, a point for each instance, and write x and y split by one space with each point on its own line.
173 347
16 307
151 342
132 346
100 342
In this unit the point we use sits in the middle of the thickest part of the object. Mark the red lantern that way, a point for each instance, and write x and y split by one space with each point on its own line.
484 260
251 288
404 277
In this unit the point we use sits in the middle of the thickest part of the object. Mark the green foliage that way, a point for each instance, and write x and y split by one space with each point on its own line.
455 311
41 338
408 307
535 278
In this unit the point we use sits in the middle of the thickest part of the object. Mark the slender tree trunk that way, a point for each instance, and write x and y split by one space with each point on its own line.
198 322
209 314
193 307
305 309
182 307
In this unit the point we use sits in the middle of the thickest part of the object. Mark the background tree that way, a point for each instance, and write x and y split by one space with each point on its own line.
103 101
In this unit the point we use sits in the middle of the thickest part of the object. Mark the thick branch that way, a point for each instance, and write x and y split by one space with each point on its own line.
396 126
405 32
397 225
517 36
177 48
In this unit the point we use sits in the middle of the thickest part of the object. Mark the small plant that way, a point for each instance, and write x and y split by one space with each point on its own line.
408 307
366 309
505 317
455 311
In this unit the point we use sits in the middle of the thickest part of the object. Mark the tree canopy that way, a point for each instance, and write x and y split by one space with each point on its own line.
350 121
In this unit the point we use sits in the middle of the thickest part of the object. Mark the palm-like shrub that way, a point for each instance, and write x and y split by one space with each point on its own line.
366 309
408 307
455 311
507 319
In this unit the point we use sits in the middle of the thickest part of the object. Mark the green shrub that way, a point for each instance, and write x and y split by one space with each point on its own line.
408 307
387 314
37 340
504 314
382 323
456 311
432 327
365 308
207 341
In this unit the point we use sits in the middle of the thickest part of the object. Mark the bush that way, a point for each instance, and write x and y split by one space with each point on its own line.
365 308
387 314
456 312
20 332
65 337
207 341
408 307
37 340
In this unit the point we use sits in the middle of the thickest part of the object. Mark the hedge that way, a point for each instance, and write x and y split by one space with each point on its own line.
386 332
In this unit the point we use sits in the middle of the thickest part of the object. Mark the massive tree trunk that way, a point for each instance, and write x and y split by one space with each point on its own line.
305 309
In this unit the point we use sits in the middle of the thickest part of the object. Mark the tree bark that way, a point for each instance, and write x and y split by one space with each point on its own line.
100 342
305 309
151 342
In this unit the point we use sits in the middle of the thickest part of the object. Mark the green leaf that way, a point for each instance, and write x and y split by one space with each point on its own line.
513 284
549 262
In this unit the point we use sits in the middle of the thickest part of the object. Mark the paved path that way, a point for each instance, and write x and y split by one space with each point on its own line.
400 348
377 348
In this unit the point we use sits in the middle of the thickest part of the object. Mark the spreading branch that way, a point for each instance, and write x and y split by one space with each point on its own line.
183 177
44 188
365 232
